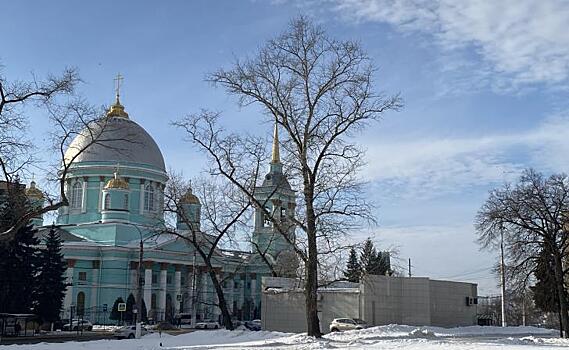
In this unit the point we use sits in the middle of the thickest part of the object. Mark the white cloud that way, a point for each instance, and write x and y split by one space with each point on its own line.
523 41
430 167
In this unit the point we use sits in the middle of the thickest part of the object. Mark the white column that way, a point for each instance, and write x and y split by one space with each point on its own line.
162 298
141 207
178 287
94 289
204 295
84 197
100 203
148 288
230 293
216 310
253 295
68 300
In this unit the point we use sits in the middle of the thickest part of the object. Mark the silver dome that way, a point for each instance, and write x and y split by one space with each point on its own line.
118 140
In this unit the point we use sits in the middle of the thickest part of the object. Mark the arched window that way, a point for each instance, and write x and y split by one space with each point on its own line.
107 205
80 304
77 195
149 198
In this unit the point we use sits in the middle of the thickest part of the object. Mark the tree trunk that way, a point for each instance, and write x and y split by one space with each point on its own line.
311 287
564 319
227 322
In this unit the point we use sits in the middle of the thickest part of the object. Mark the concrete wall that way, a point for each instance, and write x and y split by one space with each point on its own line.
380 300
448 304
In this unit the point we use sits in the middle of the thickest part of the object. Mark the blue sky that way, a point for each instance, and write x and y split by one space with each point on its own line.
485 89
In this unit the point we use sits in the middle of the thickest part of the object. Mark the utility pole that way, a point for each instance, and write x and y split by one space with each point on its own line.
503 279
409 267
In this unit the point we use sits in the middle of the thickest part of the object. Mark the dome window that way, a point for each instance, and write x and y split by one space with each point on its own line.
76 195
149 198
107 201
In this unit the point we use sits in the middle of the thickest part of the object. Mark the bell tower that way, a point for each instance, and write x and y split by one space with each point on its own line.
278 200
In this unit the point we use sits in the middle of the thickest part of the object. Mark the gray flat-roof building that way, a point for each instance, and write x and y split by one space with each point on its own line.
379 300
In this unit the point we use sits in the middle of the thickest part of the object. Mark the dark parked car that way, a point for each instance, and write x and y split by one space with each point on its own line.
254 325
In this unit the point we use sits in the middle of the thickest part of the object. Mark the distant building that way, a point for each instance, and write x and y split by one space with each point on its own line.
378 300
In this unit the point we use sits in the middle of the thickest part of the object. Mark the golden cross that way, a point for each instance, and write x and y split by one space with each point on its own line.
119 80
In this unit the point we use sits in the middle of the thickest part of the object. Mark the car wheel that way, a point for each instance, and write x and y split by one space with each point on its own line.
131 336
90 328
216 327
335 330
75 328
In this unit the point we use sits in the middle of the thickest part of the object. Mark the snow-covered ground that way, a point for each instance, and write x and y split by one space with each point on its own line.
383 337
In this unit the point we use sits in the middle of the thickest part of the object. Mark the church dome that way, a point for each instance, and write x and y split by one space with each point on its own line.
119 141
189 198
33 192
117 182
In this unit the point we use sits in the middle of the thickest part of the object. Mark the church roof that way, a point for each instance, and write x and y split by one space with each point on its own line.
65 235
115 138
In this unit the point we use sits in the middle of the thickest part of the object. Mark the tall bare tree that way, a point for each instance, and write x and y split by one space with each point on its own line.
224 210
320 92
532 216
68 116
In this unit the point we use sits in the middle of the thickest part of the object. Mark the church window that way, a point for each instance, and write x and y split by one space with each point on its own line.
82 276
80 304
107 205
149 198
76 195
266 218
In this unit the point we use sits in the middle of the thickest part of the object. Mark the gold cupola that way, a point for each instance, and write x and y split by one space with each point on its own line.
116 182
117 110
189 198
33 192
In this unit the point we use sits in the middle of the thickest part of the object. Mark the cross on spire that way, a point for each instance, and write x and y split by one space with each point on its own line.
118 80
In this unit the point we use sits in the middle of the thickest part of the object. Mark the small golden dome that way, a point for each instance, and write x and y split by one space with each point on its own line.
33 192
117 182
189 198
117 110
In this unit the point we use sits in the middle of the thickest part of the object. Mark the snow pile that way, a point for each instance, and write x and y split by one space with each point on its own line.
421 333
382 337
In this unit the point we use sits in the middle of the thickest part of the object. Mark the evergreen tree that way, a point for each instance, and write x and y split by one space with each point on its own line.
18 262
368 258
50 285
115 314
373 262
144 312
353 267
128 315
382 264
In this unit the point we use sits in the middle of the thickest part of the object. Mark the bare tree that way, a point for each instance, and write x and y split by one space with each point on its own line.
532 216
320 92
68 116
224 210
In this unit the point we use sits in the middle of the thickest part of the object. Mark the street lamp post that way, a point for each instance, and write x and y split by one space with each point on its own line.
138 332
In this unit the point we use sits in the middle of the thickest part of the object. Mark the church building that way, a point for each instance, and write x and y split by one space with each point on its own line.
111 211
